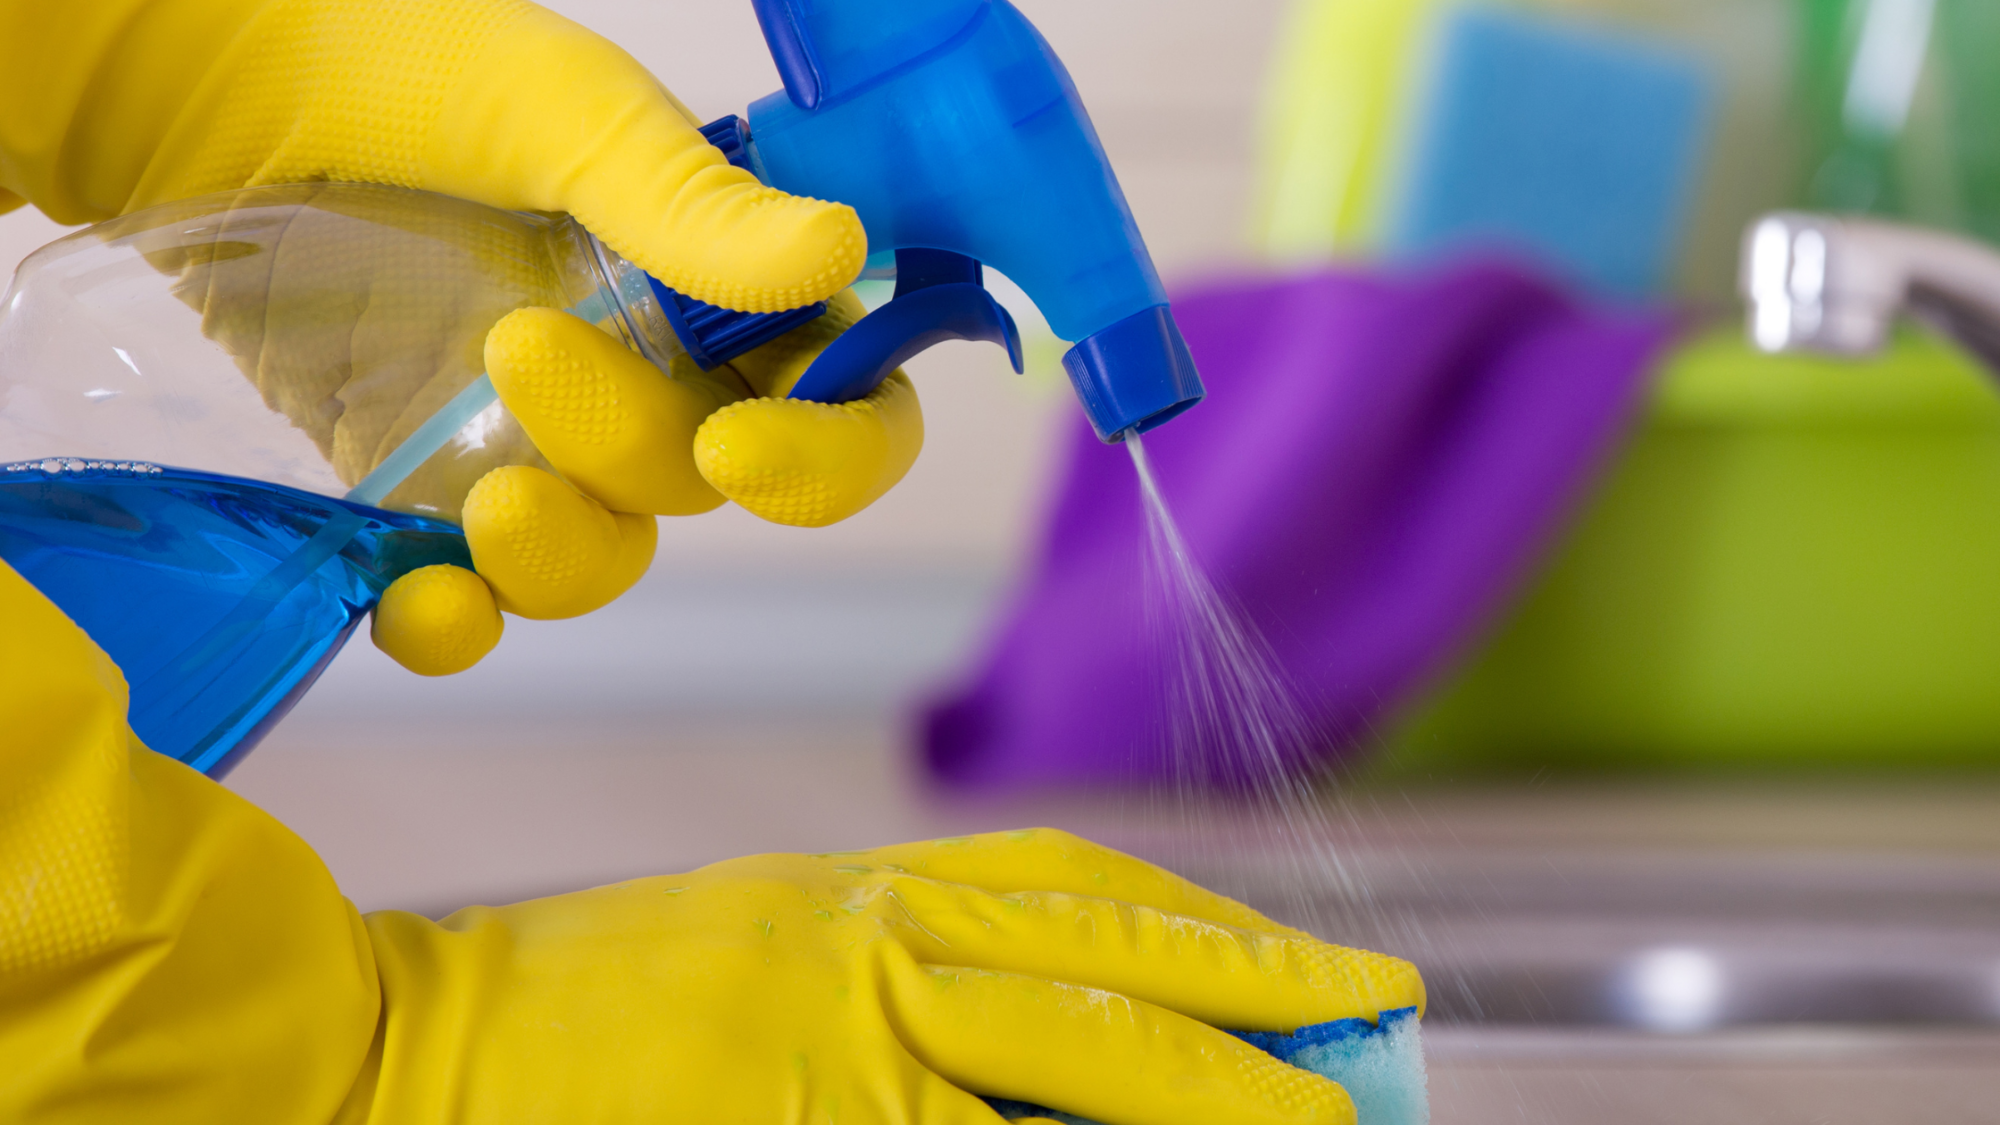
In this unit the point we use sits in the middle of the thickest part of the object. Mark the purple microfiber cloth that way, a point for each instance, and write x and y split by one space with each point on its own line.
1377 466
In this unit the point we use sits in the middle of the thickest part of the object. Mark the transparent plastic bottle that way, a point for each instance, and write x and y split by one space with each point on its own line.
228 423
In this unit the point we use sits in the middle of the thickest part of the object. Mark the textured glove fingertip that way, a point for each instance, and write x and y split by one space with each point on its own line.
603 416
549 551
1401 986
437 620
1372 983
745 246
809 464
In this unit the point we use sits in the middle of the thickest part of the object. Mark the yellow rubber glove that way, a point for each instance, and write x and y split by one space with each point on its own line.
599 412
877 986
379 317
170 954
809 464
107 106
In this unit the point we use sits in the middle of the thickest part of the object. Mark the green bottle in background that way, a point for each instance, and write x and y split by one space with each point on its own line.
1898 101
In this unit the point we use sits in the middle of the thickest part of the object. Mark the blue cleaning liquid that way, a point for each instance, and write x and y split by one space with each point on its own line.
221 599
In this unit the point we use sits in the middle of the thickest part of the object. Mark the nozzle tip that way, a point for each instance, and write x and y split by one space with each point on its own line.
1135 375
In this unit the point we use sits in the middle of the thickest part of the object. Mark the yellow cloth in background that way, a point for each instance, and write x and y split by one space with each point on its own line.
1338 102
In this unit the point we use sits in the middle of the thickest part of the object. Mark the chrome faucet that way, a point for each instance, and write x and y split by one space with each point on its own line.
1836 283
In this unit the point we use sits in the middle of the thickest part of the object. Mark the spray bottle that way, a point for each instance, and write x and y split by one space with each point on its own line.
165 485
955 132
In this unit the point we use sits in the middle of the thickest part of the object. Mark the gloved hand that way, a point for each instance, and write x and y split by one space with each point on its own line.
107 106
357 315
889 985
170 954
610 424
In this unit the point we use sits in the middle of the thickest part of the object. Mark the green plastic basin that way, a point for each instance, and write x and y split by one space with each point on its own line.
1794 562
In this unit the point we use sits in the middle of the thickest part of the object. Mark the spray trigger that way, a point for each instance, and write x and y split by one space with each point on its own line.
939 297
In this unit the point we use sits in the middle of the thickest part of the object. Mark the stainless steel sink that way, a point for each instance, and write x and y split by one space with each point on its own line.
1634 975
1681 942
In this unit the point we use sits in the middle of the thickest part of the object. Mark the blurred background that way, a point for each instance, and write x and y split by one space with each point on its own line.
1694 819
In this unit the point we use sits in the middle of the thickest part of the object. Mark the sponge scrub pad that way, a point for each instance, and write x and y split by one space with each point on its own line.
1380 1064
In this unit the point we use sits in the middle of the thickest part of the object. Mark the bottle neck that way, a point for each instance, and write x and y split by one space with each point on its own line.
665 326
626 302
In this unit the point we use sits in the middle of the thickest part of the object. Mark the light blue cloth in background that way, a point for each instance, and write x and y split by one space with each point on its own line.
1579 148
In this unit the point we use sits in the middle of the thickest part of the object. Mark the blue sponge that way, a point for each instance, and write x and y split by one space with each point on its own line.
1578 147
1381 1066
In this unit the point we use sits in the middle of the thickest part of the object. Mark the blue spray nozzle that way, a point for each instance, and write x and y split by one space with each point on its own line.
955 133
1134 375
830 51
949 125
